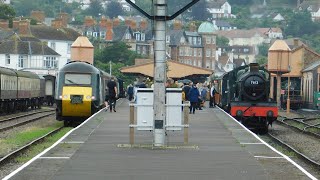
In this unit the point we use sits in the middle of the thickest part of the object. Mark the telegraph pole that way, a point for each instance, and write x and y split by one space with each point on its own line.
160 74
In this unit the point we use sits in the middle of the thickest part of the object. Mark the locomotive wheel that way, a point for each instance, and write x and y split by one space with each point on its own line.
66 123
264 128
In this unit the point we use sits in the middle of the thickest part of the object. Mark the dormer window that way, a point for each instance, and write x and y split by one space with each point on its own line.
128 36
138 36
143 37
89 33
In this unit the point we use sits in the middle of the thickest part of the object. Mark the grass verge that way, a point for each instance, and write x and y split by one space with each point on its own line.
33 151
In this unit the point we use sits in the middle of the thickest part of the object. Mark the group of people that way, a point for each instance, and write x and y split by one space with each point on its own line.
197 95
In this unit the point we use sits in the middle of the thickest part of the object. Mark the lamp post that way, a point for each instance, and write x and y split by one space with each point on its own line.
110 68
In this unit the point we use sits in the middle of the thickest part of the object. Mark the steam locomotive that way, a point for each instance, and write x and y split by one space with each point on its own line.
244 93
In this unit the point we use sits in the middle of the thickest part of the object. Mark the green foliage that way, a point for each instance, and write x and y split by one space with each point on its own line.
199 11
262 60
114 9
95 8
301 24
120 56
241 2
263 49
222 41
6 12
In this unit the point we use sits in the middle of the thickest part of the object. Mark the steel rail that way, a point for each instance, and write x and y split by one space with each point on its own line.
303 156
24 122
23 115
16 153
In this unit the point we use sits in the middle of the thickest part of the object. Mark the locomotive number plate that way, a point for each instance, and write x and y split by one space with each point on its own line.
76 99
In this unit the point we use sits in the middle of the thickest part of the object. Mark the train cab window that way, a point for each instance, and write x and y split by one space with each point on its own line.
77 79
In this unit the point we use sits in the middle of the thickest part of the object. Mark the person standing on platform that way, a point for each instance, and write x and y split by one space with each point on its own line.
193 96
212 102
112 86
130 92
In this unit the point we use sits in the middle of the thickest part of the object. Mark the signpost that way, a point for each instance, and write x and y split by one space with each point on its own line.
160 17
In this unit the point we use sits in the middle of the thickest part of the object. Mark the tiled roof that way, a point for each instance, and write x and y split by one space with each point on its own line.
50 33
175 36
23 47
239 33
315 5
279 45
4 34
266 30
29 38
175 70
220 23
120 31
312 66
216 4
223 59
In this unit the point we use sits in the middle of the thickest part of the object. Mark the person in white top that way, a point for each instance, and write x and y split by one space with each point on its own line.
212 102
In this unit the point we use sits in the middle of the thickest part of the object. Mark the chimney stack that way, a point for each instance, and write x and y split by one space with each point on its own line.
116 22
38 16
15 24
192 27
103 22
128 22
296 42
143 25
64 18
24 27
177 25
89 21
57 23
4 24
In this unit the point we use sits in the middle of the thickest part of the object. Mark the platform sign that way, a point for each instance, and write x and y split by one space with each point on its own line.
144 109
174 109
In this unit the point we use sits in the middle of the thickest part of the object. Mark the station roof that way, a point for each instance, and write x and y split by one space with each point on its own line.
175 70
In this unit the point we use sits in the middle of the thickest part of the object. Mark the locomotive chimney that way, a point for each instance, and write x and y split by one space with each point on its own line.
254 67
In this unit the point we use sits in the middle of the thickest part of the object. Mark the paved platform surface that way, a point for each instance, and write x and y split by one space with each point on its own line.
219 148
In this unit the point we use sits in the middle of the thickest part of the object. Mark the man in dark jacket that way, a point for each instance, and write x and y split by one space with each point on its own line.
193 96
186 90
112 86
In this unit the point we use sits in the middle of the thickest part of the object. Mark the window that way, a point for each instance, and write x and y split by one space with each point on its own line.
208 52
194 52
102 34
53 45
194 40
181 52
143 37
89 33
69 48
208 40
95 34
199 41
7 59
128 36
138 36
77 79
245 50
167 39
50 62
21 61
199 54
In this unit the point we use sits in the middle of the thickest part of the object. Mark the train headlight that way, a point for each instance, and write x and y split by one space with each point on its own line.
270 114
88 97
60 97
239 113
65 96
93 97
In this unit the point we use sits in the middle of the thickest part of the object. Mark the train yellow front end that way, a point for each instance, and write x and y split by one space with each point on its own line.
76 101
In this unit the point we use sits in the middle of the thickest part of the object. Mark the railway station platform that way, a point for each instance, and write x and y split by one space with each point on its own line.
219 148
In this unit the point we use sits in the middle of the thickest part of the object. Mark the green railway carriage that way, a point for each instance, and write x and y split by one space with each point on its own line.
80 91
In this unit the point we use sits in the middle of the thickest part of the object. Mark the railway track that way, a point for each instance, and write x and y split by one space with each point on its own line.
309 125
303 156
20 120
7 158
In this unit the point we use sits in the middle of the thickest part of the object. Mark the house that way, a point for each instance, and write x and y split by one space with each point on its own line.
84 3
270 33
276 17
313 7
5 1
17 53
191 47
311 82
223 25
219 9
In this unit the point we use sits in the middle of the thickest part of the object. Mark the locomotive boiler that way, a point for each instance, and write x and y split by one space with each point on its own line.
245 95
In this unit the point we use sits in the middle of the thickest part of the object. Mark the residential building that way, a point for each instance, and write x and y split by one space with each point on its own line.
219 9
313 7
270 33
34 56
191 47
223 25
5 1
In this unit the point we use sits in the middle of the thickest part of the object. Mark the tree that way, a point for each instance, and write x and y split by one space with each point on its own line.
222 41
114 9
199 11
301 24
24 7
6 12
95 8
241 2
263 49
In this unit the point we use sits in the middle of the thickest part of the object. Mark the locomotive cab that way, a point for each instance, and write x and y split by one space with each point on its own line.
78 93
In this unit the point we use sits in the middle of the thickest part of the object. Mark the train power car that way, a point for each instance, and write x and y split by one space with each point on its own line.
80 91
245 95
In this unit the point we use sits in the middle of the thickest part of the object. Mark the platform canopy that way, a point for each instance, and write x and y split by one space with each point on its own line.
176 70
